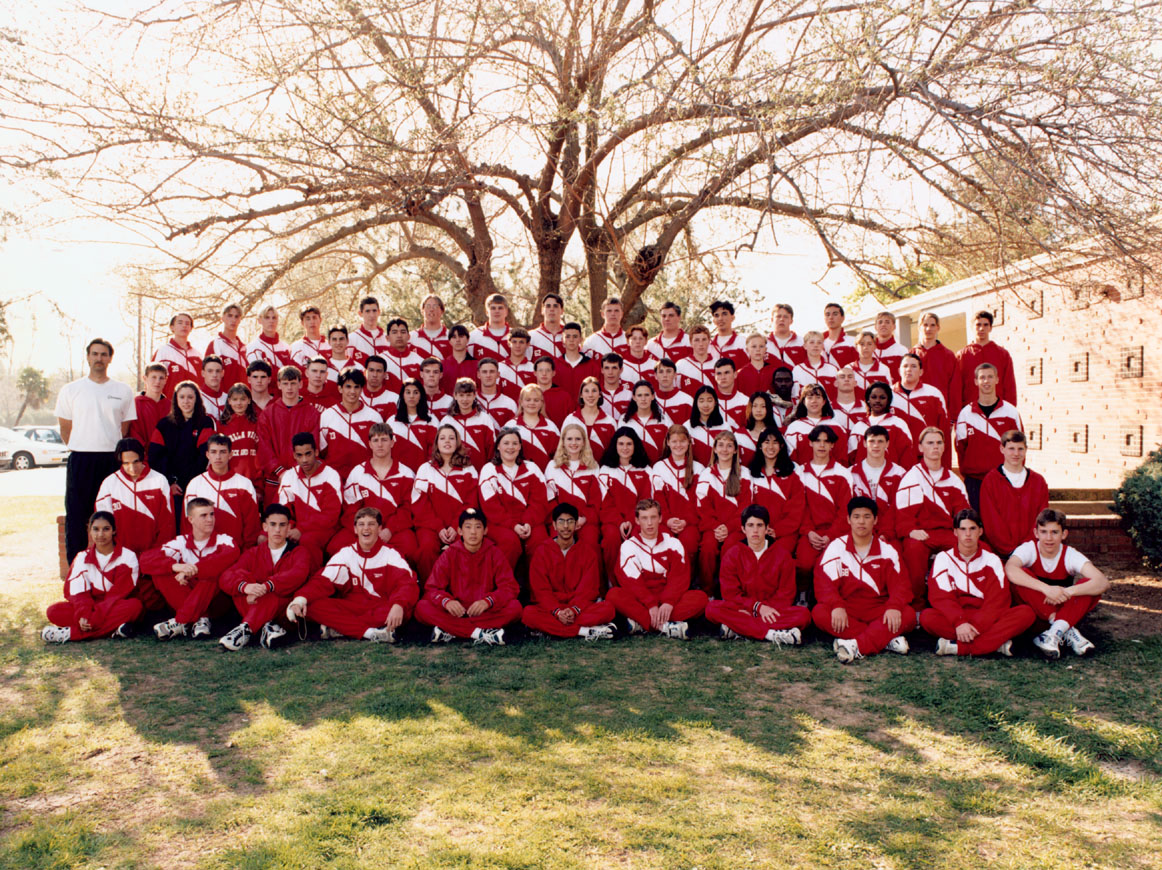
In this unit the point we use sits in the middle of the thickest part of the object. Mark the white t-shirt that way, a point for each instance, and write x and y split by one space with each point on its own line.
1029 554
97 412
1017 480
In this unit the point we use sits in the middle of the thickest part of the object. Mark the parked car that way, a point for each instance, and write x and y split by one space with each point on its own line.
19 452
47 434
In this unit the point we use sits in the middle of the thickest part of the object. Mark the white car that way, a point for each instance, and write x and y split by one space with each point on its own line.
19 452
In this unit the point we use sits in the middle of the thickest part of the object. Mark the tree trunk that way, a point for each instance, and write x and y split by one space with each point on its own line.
21 413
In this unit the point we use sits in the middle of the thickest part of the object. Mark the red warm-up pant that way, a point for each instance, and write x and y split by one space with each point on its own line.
1072 611
462 626
1007 626
542 619
105 618
915 555
192 602
428 547
403 542
267 608
148 594
865 625
806 556
692 603
709 550
352 615
611 541
747 625
512 545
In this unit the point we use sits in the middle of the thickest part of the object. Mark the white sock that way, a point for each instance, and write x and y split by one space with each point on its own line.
1059 627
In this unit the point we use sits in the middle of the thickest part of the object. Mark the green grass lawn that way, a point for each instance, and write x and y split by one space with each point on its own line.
639 753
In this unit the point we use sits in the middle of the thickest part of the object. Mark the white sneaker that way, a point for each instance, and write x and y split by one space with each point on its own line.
788 636
597 632
1006 649
202 627
380 635
1078 642
946 647
56 634
727 633
676 630
124 631
898 644
635 627
169 629
236 638
1049 642
847 651
441 636
488 637
272 635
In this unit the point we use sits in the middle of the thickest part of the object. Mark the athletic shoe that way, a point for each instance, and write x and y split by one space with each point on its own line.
788 636
488 637
169 629
441 636
202 627
328 633
801 599
598 632
124 631
56 634
946 647
236 638
272 634
1006 649
1049 643
847 651
676 630
898 644
380 635
634 627
1078 642
727 633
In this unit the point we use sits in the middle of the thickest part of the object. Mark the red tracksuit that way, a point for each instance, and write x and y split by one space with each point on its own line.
733 408
716 508
600 432
788 351
601 342
749 580
580 487
470 577
142 509
243 437
510 497
652 434
306 349
401 365
797 431
751 380
501 408
357 589
212 556
455 369
326 398
876 373
673 349
513 376
901 450
482 342
233 355
148 413
694 373
431 344
675 404
621 489
382 401
922 407
652 573
882 490
702 441
826 492
973 355
438 499
926 502
413 441
823 375
975 592
316 502
182 364
540 441
391 495
941 370
865 587
277 425
786 502
978 438
1009 512
281 579
343 437
1065 570
367 344
616 401
679 502
569 375
733 347
235 506
101 593
889 354
478 434
273 351
559 580
840 351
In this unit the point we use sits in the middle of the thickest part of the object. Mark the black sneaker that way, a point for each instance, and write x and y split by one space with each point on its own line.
125 630
272 635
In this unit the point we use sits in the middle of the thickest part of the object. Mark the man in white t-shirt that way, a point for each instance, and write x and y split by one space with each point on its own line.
94 414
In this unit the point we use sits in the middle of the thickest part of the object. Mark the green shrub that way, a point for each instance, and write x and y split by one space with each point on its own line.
1139 501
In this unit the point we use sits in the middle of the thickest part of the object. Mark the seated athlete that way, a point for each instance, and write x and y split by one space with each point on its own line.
654 591
263 581
471 591
99 600
366 590
972 612
758 587
862 592
565 580
1059 583
186 571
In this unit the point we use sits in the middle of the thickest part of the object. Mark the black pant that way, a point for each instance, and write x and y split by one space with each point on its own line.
972 487
86 471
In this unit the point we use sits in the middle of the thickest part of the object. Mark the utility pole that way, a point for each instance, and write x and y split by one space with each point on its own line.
139 380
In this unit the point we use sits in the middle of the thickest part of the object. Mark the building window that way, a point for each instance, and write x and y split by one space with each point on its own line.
1077 438
1033 437
1130 440
1034 301
1130 362
1135 286
1079 366
999 313
1077 296
1033 369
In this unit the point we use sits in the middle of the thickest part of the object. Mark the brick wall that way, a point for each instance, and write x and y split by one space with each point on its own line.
62 550
1101 538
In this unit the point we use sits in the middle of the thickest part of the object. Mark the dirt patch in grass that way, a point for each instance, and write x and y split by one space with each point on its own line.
1133 605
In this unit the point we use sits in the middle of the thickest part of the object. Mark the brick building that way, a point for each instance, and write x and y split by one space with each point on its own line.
1086 340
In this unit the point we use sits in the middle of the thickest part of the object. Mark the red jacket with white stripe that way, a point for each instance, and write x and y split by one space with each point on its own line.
343 437
431 344
843 579
510 496
654 572
89 583
578 486
673 349
749 580
715 507
600 433
622 488
942 371
558 579
784 498
212 556
482 342
615 402
401 365
478 434
277 425
901 449
468 577
514 376
316 501
889 354
876 373
376 575
182 364
501 408
273 351
840 351
733 408
675 404
1009 513
823 375
367 344
539 441
257 565
413 441
601 342
787 351
306 349
702 440
383 401
978 438
439 497
243 437
391 495
797 431
921 407
882 491
733 347
693 373
669 483
235 506
652 434
964 590
142 508
233 355
826 492
928 501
